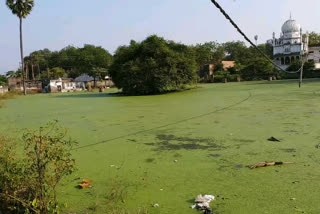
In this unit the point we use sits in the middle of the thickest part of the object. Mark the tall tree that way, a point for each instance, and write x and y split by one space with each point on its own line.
3 80
314 38
153 66
21 8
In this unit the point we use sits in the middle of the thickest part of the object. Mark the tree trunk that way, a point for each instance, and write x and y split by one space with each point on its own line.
32 71
22 60
26 65
39 77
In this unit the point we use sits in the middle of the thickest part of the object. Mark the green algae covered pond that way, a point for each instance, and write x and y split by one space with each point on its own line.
167 149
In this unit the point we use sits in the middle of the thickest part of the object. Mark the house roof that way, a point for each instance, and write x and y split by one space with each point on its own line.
84 78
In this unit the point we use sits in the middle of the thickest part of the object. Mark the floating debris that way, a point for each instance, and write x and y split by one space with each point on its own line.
264 164
273 139
203 203
156 205
85 183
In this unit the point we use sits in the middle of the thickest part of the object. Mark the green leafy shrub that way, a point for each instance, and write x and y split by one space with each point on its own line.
28 182
13 188
233 78
221 76
257 69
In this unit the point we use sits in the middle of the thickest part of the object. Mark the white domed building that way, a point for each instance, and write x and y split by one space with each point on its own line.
290 46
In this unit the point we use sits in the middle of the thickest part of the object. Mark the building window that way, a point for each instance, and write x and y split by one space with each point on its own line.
311 52
310 60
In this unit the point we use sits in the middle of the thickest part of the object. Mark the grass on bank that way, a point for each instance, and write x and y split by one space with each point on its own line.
6 96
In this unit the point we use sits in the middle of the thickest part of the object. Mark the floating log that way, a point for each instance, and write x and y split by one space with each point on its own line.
264 164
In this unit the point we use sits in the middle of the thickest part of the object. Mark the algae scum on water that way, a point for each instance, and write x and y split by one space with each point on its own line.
167 149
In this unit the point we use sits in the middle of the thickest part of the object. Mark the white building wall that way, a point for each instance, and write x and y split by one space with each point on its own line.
314 55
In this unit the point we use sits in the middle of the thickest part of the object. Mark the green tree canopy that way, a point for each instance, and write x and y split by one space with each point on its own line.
56 73
257 68
296 65
153 66
90 59
314 38
3 80
210 52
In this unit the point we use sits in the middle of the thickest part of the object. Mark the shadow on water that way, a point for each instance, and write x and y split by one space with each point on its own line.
288 81
119 94
171 143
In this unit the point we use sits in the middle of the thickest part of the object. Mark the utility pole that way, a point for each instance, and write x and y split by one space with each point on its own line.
301 72
305 50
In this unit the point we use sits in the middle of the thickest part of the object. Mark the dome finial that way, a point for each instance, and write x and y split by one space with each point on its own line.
290 16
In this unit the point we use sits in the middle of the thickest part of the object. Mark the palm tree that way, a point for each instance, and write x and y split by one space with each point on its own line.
21 8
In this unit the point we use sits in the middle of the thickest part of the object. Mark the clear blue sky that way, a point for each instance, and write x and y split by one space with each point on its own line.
55 24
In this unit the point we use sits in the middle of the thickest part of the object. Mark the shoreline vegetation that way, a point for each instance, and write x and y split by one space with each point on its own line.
8 95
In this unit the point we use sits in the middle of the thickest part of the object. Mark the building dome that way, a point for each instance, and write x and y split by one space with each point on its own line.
290 26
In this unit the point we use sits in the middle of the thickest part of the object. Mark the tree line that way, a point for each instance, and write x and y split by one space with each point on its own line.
155 58
159 65
152 66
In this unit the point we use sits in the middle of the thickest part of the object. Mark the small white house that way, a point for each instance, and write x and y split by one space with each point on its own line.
65 85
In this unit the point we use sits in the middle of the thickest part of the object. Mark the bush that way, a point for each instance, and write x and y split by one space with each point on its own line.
29 182
12 185
153 66
3 80
233 78
8 95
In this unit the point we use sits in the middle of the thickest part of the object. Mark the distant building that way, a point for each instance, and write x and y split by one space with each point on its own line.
314 55
65 85
207 72
228 64
16 84
290 46
85 78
